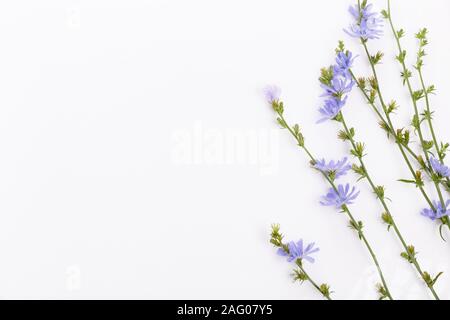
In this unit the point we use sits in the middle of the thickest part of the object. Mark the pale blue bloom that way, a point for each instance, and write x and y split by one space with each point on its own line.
344 62
340 84
367 24
439 168
439 211
331 108
297 251
343 196
337 87
337 168
272 93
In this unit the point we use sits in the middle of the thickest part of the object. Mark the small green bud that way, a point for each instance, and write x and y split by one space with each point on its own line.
409 254
325 290
379 191
382 292
387 218
358 150
377 57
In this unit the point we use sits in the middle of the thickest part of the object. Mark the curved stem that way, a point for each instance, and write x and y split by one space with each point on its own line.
344 208
385 206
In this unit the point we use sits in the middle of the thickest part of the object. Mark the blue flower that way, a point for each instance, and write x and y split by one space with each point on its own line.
340 84
439 168
344 62
337 87
331 108
272 93
367 24
439 211
342 196
297 251
337 169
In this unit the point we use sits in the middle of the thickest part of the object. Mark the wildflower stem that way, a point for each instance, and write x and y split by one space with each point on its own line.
408 84
390 129
416 111
315 285
344 208
385 206
427 103
430 123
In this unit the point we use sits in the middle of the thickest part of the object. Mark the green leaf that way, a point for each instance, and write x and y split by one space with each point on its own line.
437 277
407 181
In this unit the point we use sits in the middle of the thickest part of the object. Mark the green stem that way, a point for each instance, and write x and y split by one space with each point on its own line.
385 206
414 102
315 285
389 122
392 130
427 103
344 208
430 123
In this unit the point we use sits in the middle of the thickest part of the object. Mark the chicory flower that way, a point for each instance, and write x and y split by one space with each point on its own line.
439 168
335 168
298 251
272 94
342 196
439 211
331 108
367 24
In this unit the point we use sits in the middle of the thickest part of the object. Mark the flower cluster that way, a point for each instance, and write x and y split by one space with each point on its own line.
336 82
439 211
366 24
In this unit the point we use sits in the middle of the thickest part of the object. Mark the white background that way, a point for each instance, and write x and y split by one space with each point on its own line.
138 158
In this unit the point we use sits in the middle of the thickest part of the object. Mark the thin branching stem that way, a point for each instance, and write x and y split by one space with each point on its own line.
416 111
345 208
382 200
